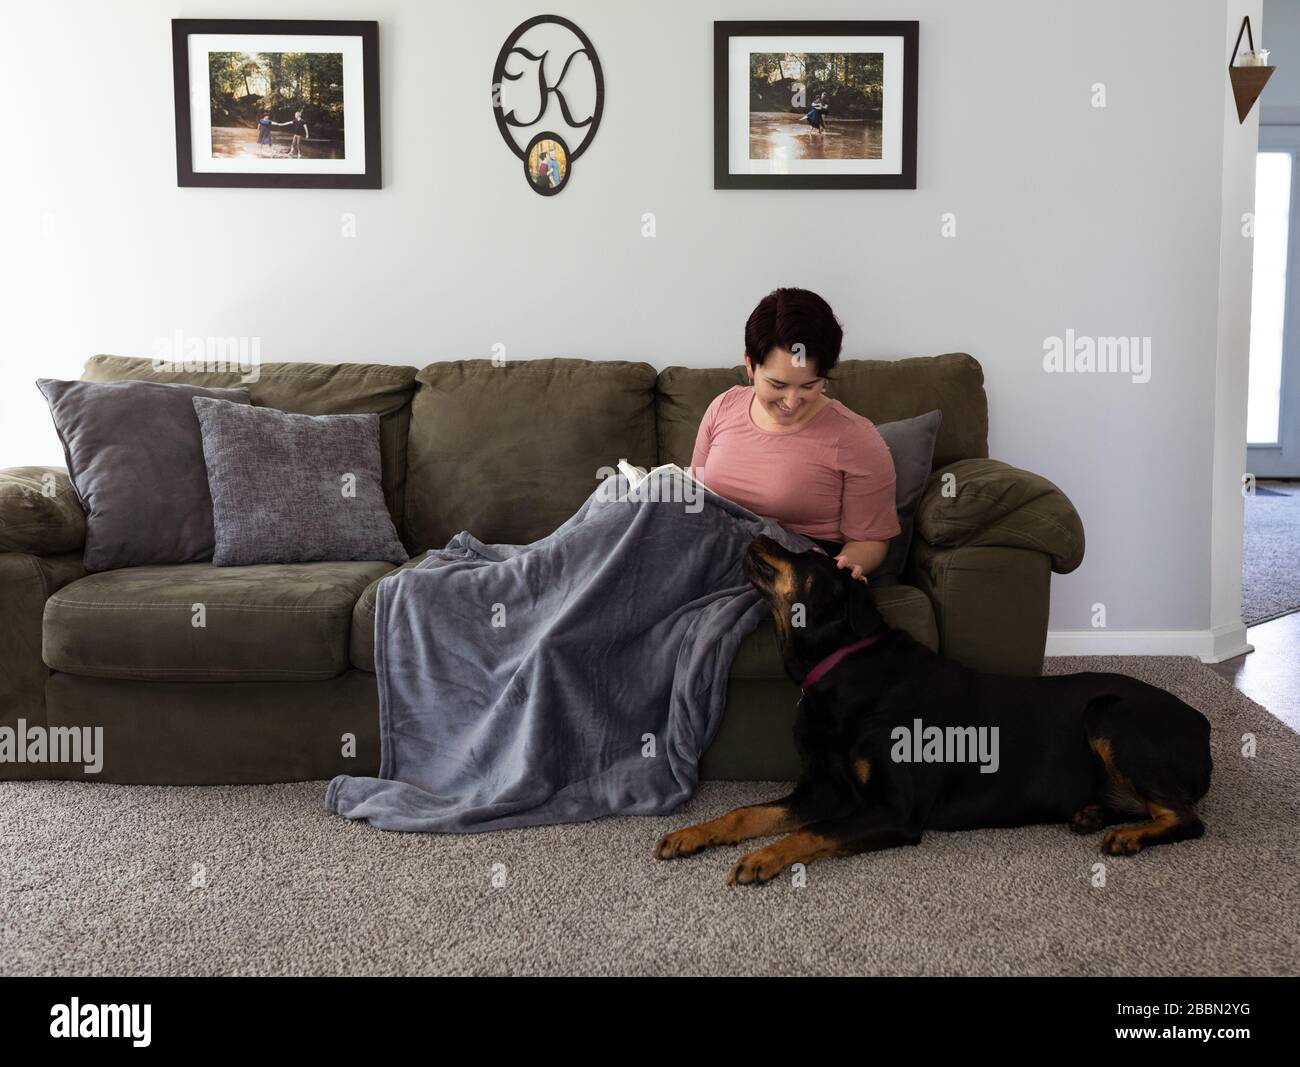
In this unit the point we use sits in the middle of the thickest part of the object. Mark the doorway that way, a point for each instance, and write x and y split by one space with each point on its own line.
1271 551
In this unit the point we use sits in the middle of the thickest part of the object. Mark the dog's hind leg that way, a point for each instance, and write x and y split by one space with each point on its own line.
1092 818
1167 825
806 804
1155 760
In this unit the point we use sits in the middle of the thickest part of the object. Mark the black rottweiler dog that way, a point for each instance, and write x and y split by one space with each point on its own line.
895 740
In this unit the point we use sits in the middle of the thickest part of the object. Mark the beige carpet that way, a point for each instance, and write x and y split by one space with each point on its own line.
97 880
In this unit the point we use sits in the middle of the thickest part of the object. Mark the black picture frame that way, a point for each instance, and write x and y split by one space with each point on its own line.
368 32
568 164
723 32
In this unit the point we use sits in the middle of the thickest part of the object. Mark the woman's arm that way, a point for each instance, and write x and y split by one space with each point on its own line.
704 439
862 557
868 515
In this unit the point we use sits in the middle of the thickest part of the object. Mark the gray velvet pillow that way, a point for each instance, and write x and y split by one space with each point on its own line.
911 444
294 488
135 458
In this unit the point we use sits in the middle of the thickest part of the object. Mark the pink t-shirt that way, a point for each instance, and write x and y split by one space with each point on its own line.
831 479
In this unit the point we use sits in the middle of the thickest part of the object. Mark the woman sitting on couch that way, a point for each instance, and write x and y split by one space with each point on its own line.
783 449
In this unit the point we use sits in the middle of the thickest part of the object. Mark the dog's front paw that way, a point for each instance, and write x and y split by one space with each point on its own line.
1123 841
682 843
757 867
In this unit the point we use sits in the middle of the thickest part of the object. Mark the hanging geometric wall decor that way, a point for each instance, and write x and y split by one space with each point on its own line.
1248 72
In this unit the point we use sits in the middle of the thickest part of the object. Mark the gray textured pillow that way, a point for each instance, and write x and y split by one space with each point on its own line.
911 443
294 488
135 458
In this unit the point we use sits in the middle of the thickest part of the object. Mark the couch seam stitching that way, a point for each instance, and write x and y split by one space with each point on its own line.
107 606
102 672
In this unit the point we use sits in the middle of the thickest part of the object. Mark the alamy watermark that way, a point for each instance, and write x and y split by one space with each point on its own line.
76 1019
919 743
1077 354
53 744
211 355
667 487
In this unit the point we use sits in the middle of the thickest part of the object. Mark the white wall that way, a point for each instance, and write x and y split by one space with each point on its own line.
1236 255
1103 220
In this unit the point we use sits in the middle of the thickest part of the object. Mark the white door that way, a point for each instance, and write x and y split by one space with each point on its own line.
1273 413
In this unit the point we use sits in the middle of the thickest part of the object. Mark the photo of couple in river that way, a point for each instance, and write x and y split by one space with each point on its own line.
276 105
823 105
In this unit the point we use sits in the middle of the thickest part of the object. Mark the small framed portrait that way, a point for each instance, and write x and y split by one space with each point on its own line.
260 103
546 163
814 105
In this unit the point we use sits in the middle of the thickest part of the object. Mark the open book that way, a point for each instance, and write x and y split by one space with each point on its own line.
636 475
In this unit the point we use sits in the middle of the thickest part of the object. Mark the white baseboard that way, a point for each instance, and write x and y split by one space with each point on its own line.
1209 646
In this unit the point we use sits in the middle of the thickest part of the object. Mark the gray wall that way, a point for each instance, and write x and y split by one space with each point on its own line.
1280 101
1102 220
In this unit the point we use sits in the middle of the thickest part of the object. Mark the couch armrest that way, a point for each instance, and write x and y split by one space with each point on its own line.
993 505
990 604
39 512
26 582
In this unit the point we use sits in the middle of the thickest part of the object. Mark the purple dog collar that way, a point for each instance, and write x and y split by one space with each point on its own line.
825 666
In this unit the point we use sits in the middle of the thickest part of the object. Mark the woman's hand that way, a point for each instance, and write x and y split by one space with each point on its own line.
862 557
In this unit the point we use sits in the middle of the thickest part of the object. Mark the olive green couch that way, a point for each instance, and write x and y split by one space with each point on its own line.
279 683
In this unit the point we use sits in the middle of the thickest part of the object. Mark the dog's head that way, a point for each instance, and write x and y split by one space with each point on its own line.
817 606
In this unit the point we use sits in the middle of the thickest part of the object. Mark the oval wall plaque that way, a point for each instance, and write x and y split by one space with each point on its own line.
548 93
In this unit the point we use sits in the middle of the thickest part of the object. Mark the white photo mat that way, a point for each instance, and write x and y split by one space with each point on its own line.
201 45
739 50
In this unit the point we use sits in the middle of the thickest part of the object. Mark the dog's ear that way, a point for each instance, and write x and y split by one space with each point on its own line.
864 619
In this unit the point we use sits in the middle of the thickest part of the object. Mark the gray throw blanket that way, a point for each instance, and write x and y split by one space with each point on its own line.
579 676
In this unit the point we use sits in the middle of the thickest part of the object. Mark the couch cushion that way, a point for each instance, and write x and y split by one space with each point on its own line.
510 451
270 622
903 606
881 390
305 389
362 648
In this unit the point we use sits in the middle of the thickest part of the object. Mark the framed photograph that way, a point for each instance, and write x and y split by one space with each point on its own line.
546 163
292 104
814 105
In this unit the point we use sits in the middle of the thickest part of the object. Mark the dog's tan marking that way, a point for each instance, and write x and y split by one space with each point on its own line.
784 625
1101 746
1126 840
862 769
739 825
1122 793
784 584
766 863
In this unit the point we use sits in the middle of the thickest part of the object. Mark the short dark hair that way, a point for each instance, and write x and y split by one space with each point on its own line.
789 317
